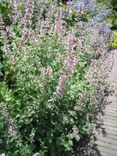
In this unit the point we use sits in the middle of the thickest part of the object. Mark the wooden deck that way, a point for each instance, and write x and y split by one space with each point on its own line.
106 134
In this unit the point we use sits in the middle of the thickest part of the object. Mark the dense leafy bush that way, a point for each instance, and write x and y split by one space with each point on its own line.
114 23
53 73
113 3
114 41
113 20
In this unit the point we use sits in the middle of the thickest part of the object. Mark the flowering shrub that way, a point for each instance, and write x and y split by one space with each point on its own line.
51 78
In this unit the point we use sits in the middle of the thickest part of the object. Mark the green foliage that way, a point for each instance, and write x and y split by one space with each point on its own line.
5 10
114 4
21 7
5 7
85 17
5 97
114 42
113 20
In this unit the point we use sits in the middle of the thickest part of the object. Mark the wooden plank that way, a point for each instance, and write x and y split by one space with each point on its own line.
107 135
110 120
106 145
107 140
107 127
111 114
103 153
113 111
112 124
109 117
108 152
106 130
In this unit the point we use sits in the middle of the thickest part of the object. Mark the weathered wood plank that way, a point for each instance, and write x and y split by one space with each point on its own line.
107 123
106 152
107 135
107 140
107 145
111 114
110 120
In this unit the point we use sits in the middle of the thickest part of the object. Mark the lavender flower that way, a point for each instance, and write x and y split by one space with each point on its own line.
70 40
49 71
29 12
69 65
58 24
63 80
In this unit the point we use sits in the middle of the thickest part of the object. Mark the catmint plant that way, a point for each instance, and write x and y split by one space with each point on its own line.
54 59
